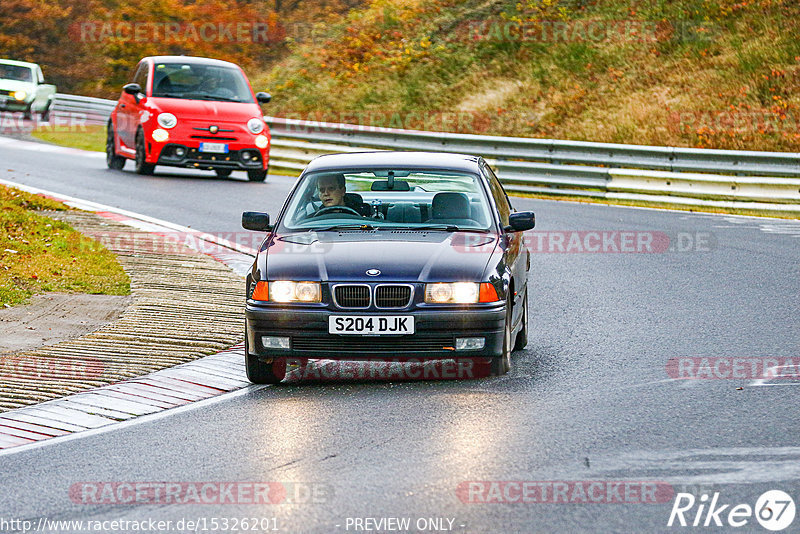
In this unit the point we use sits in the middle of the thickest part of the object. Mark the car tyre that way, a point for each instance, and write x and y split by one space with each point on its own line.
28 114
502 364
46 112
259 372
522 337
142 167
223 173
113 160
257 175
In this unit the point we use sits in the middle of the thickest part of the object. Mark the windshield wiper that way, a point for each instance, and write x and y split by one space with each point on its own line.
365 227
440 227
172 95
221 98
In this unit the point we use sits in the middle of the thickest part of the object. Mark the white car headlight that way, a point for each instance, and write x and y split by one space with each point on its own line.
20 95
287 291
256 126
167 120
452 292
262 141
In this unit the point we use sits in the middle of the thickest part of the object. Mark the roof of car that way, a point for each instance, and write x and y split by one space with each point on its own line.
192 60
18 63
396 160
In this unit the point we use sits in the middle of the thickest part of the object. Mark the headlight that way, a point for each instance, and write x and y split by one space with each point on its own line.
453 292
460 293
20 95
288 291
255 125
159 135
262 141
167 120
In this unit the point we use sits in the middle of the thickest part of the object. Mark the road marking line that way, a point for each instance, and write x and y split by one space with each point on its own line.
131 422
46 147
133 219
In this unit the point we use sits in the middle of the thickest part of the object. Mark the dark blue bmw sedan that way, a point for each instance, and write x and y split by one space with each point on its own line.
388 255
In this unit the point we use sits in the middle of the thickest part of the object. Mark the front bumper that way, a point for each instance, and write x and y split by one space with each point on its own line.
249 158
435 331
15 105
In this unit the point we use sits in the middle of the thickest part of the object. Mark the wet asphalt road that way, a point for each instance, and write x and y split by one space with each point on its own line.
590 399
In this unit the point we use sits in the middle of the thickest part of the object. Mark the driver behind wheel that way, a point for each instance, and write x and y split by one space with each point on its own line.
331 190
334 198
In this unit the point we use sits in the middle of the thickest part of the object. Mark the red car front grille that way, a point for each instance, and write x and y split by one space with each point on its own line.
213 138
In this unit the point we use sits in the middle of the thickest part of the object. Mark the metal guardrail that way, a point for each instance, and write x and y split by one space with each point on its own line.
763 181
83 108
546 150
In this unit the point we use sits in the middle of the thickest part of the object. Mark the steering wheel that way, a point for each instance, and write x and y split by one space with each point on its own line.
335 209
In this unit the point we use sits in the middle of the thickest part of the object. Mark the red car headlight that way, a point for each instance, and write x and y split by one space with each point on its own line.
255 125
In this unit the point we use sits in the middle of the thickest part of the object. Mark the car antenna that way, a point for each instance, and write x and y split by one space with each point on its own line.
390 181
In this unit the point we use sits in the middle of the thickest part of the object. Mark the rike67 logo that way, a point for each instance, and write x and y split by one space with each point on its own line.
774 510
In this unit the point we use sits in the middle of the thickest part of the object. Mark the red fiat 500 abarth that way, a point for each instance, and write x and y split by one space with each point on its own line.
189 112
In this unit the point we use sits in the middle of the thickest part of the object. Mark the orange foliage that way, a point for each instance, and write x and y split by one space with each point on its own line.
92 46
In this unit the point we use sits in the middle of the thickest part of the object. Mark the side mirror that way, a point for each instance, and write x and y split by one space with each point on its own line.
519 222
263 98
256 220
133 89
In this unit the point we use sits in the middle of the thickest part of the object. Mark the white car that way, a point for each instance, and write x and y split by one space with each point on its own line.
22 88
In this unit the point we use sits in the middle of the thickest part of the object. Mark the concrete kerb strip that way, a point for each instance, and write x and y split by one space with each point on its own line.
154 328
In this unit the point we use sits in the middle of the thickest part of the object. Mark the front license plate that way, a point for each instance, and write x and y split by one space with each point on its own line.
216 148
369 325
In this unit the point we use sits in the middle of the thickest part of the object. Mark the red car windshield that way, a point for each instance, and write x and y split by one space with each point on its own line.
200 82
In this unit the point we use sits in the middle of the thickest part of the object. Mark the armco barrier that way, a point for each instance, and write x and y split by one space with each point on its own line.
706 186
761 181
90 110
545 150
571 168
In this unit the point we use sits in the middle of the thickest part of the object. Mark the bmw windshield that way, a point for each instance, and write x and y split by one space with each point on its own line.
388 199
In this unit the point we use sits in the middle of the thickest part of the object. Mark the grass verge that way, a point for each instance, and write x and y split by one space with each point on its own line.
38 254
91 137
